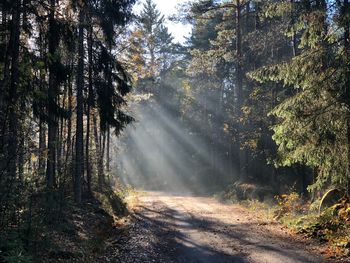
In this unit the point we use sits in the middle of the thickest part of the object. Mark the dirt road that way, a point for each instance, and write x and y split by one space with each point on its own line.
169 228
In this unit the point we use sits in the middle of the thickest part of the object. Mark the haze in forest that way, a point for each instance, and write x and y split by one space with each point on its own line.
203 127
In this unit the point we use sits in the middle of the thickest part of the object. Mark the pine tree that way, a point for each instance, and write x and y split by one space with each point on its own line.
152 42
312 119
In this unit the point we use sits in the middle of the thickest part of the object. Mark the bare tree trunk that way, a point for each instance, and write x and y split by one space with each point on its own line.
103 146
89 103
5 58
346 36
10 88
42 125
21 145
239 89
60 142
257 18
68 161
100 173
42 146
52 100
79 146
60 153
13 110
2 109
294 36
108 151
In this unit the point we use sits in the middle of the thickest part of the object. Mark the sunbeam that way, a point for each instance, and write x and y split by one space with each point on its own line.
162 154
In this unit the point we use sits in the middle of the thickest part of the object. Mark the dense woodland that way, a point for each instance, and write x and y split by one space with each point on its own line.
92 93
257 94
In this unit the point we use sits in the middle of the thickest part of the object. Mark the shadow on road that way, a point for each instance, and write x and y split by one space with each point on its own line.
191 238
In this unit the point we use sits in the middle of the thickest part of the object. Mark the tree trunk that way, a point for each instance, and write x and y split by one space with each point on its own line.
89 104
98 154
52 100
42 125
294 36
60 147
42 146
239 90
21 149
68 161
103 152
346 36
108 167
11 139
79 146
13 111
5 58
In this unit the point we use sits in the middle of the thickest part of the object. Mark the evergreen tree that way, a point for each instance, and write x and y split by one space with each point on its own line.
312 121
152 43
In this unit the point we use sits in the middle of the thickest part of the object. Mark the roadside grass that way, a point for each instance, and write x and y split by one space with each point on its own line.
132 199
263 210
331 226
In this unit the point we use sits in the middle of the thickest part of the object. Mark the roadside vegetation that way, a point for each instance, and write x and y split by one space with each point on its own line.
323 220
72 234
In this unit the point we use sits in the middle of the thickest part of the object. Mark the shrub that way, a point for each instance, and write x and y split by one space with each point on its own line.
288 204
12 249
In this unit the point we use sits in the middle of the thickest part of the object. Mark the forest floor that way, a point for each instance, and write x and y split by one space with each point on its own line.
171 228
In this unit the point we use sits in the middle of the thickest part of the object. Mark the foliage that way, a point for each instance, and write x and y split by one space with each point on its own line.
331 226
150 45
56 112
311 119
288 204
112 202
12 249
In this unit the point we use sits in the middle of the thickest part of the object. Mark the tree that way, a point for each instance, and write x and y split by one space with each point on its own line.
37 99
151 43
312 120
79 148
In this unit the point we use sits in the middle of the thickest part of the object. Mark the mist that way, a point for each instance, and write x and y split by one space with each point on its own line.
159 152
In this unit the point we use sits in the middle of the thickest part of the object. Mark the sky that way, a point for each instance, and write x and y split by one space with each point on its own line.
168 8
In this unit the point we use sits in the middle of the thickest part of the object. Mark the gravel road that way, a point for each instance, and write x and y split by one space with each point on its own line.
171 228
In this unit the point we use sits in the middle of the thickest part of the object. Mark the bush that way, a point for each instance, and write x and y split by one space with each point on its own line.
288 204
342 210
315 206
247 191
332 226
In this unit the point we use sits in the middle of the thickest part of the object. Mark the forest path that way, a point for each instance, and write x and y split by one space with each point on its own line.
170 228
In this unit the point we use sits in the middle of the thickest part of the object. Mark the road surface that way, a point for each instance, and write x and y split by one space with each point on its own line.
170 228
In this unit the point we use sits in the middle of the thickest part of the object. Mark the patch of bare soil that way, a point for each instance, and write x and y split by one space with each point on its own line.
169 228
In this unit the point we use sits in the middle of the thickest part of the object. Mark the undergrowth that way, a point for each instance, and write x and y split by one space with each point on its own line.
70 234
331 226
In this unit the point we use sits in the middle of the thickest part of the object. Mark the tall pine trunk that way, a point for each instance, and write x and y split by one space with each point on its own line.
52 100
68 159
89 104
99 154
42 124
108 160
239 90
42 146
346 36
79 146
294 35
13 90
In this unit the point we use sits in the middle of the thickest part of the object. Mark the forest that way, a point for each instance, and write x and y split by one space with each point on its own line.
99 102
